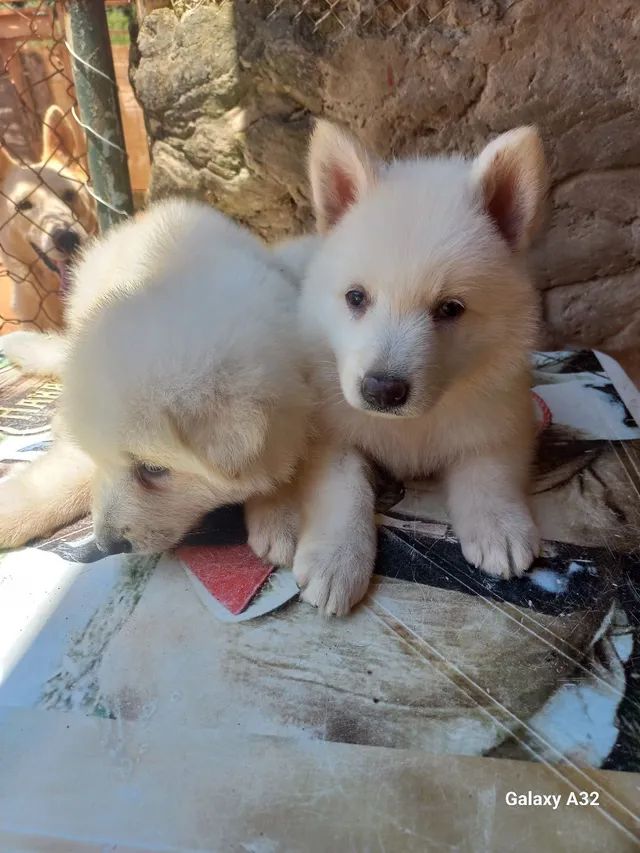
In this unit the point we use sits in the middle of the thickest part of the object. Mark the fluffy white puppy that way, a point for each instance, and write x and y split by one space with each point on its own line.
421 317
183 384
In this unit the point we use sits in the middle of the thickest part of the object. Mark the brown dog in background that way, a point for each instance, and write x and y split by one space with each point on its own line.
46 214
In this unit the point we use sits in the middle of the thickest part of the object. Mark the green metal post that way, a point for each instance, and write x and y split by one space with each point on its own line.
97 95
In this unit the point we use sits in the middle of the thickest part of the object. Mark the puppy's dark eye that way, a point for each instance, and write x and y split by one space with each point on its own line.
24 205
148 474
356 298
69 196
450 309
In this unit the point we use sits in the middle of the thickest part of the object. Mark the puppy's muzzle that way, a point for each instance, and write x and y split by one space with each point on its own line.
111 543
384 393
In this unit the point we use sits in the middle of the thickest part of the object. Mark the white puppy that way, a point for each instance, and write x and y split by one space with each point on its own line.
421 316
183 384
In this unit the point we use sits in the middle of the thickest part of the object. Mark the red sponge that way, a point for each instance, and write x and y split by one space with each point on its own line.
232 574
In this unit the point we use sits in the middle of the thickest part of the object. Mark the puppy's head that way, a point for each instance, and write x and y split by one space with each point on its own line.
162 462
186 391
418 281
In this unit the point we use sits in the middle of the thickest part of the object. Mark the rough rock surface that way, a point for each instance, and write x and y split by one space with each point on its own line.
229 90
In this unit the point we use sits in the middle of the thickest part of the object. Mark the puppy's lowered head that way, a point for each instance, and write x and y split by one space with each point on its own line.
419 282
184 380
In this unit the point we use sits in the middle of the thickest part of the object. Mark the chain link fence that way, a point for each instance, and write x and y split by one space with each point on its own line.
49 206
329 16
381 17
46 210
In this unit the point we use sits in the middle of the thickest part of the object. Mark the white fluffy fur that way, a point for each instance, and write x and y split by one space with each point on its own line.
412 234
182 352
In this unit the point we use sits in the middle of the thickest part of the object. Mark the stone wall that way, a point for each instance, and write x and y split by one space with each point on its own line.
229 89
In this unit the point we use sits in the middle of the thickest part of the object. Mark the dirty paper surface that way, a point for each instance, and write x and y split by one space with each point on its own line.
131 715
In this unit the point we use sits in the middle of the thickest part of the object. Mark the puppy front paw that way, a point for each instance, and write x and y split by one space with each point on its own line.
31 352
501 544
333 579
272 531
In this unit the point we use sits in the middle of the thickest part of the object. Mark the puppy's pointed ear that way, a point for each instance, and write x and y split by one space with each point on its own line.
511 177
341 170
59 134
6 161
227 436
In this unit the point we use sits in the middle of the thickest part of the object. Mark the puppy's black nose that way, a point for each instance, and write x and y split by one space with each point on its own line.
65 240
114 545
384 392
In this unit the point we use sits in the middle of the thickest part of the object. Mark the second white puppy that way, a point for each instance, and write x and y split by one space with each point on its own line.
183 385
421 315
